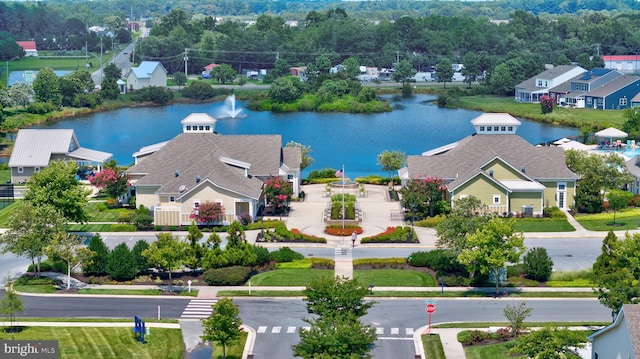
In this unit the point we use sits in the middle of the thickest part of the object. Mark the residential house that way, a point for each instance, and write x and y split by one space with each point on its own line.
620 339
503 170
148 73
173 178
571 93
300 72
635 101
627 64
530 90
34 149
614 95
29 47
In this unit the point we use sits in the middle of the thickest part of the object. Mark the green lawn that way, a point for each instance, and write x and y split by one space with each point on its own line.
433 347
625 220
108 215
289 277
5 176
543 225
394 278
103 342
234 350
491 351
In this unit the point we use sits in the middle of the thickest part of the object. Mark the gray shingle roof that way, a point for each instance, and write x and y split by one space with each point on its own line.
529 84
199 154
612 86
464 161
632 315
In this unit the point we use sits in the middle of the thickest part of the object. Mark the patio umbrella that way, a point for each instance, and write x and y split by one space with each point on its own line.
561 141
611 133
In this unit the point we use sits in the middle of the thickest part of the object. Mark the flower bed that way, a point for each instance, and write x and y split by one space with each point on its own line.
282 234
338 230
393 235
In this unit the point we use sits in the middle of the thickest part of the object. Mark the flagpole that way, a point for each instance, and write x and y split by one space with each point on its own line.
344 210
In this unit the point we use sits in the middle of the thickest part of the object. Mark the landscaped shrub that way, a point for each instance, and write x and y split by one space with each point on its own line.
262 255
323 173
122 228
261 224
236 275
322 263
41 108
339 230
120 263
430 222
49 266
554 213
98 264
537 264
282 234
393 235
393 262
285 254
443 261
142 262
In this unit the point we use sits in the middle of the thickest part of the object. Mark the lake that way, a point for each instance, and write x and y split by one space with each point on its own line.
415 125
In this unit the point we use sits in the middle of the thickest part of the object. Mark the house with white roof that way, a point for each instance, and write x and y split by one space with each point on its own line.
173 178
503 170
35 148
148 73
530 90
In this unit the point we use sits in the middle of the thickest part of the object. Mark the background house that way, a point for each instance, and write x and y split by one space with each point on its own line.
614 95
530 90
34 149
571 93
173 178
628 64
148 73
503 170
621 339
29 47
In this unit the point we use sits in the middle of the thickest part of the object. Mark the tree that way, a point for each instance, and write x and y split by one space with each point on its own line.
492 246
631 124
56 185
391 161
351 67
277 192
616 271
468 215
198 90
546 104
223 324
618 200
549 343
115 183
21 93
112 71
69 248
100 255
180 78
224 73
195 250
11 305
339 303
46 87
31 229
286 89
142 263
109 89
471 69
208 212
516 316
235 235
167 253
425 197
306 159
403 72
120 263
444 72
537 264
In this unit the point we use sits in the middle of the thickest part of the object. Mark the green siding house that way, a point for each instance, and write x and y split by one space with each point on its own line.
503 170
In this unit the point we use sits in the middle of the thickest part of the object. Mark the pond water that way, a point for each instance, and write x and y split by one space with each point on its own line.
415 125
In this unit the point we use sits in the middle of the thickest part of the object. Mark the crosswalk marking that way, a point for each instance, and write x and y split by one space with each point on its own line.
394 333
344 253
198 308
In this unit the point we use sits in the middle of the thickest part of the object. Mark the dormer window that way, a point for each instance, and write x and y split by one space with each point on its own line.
481 128
188 128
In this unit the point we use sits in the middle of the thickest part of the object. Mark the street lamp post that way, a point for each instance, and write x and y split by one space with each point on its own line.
7 63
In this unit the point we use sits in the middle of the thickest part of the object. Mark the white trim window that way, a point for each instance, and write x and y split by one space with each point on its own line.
20 169
496 199
36 170
622 101
172 199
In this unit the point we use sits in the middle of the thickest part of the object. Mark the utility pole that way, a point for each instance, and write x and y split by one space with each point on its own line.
100 59
186 59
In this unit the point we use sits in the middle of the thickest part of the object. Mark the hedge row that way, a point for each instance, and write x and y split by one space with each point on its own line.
394 235
282 234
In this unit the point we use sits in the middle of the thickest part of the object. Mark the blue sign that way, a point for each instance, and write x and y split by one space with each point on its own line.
139 329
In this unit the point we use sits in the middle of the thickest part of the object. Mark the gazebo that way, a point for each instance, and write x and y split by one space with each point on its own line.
610 133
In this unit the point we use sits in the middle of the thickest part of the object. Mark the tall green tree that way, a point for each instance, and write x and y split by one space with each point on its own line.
618 200
223 73
286 89
142 263
491 247
403 72
109 89
120 263
31 229
471 70
57 186
334 295
166 253
223 324
307 160
46 87
444 71
467 216
391 161
112 71
235 235
11 305
516 316
552 343
71 249
195 251
100 254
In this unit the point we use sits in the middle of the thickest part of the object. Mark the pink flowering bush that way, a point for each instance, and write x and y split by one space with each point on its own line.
425 197
208 212
277 192
546 102
112 182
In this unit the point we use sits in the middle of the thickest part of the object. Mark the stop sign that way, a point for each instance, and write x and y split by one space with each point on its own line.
430 308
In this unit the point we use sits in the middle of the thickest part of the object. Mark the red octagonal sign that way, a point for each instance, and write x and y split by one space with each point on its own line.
430 308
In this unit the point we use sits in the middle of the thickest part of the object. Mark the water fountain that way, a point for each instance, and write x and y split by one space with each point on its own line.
229 110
